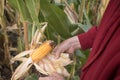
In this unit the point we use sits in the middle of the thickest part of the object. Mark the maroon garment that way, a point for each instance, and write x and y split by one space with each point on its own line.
104 59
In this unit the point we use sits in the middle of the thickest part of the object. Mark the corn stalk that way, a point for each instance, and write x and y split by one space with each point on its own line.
6 46
26 35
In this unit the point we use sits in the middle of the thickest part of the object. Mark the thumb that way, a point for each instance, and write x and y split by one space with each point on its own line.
57 51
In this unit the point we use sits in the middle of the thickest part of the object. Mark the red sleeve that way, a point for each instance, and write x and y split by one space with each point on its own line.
117 77
86 39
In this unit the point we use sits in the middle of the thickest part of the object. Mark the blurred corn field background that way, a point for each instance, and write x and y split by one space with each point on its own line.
19 19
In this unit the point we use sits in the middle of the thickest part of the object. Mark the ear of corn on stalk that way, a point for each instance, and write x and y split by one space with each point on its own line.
45 63
41 58
42 51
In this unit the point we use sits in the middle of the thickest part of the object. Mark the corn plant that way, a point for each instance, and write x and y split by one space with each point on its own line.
65 18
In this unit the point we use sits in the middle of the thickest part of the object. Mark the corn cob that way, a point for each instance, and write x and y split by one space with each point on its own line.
42 51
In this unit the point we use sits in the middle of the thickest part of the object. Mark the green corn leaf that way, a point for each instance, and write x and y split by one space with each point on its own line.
80 54
85 28
87 18
51 33
20 6
25 16
56 18
37 5
31 6
13 3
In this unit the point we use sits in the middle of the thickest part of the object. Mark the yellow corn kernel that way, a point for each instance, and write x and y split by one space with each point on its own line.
42 51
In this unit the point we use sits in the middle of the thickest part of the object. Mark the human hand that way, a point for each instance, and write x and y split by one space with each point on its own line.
69 45
54 76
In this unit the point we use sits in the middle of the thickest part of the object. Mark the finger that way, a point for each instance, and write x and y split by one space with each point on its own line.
57 51
71 50
57 54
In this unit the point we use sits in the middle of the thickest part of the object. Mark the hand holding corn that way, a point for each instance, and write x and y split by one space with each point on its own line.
69 46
